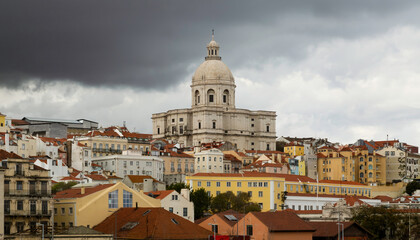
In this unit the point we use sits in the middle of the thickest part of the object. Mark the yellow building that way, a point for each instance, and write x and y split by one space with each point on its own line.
351 164
3 126
268 189
264 188
294 149
88 206
302 167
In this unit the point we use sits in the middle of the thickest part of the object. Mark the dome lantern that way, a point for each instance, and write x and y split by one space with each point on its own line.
213 49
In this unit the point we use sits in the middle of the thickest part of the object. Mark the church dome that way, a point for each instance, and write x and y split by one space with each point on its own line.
212 70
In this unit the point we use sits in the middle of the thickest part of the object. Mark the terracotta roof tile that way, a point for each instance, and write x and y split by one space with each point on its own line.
159 194
76 192
327 229
140 178
96 177
284 221
151 223
5 155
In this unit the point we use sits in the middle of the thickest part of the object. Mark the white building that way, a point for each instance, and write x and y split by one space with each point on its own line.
209 161
81 157
174 202
213 116
132 162
305 201
57 168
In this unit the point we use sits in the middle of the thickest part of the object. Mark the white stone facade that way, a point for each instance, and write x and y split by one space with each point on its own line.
132 163
209 161
213 116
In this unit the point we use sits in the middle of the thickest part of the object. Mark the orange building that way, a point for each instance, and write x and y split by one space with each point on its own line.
274 225
222 223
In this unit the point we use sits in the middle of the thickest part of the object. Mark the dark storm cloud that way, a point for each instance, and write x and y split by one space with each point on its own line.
149 44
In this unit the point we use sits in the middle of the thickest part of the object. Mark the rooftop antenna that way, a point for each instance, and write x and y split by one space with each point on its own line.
212 34
123 123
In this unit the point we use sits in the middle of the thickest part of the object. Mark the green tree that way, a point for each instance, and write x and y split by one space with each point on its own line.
387 223
412 187
201 201
239 203
178 186
61 186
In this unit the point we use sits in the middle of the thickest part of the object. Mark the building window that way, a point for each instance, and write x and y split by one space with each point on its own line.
260 194
214 125
174 197
217 184
19 185
171 209
250 193
127 199
217 193
19 205
70 210
208 184
239 184
211 98
268 128
227 184
63 211
185 212
113 199
215 228
199 183
199 125
249 231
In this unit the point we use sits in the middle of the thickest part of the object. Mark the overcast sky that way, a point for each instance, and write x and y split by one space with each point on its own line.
341 70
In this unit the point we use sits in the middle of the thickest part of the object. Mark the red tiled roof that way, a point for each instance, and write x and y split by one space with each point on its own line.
231 157
383 198
96 177
302 212
5 155
264 152
329 229
17 122
322 195
70 178
151 223
287 177
159 194
341 182
76 192
284 221
140 178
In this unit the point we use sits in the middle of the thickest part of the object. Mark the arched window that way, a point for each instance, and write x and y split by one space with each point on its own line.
210 94
361 167
197 97
370 167
370 174
361 159
226 96
361 175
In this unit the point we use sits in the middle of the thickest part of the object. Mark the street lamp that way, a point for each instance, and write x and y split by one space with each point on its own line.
40 224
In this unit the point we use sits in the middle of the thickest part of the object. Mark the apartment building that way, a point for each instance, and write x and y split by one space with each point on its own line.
27 196
132 163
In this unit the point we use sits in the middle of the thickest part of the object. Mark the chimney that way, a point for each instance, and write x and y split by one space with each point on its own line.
137 205
6 141
185 192
82 190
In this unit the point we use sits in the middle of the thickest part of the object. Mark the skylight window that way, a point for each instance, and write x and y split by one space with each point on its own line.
174 221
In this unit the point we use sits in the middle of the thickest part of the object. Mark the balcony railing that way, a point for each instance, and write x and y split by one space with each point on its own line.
37 193
27 213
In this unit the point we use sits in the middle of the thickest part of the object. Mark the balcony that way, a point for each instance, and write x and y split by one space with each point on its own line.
28 213
33 193
179 170
172 169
